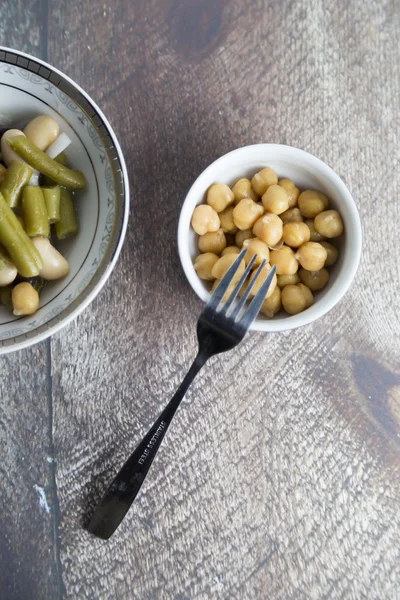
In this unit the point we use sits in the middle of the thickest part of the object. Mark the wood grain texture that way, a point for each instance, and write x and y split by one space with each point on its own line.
29 563
280 476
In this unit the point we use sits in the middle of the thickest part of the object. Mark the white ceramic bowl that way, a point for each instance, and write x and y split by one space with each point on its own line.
308 172
30 87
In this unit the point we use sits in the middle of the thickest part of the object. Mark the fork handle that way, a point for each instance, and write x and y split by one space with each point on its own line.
123 490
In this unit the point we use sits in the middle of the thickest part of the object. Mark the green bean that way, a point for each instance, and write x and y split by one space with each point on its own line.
17 224
52 200
62 159
17 176
35 213
27 248
47 166
4 258
67 226
5 297
18 245
37 283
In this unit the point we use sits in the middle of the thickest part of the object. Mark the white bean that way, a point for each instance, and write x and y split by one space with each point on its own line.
8 272
7 154
42 131
54 264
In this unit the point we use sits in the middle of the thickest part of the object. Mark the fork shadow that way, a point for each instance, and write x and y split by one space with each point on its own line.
103 470
153 179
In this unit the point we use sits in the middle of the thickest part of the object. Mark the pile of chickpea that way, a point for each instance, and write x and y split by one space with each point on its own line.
273 220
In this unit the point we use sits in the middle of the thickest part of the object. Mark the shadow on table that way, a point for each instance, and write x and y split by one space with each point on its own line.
170 160
104 469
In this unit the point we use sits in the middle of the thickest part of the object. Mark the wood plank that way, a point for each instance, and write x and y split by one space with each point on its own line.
29 564
278 478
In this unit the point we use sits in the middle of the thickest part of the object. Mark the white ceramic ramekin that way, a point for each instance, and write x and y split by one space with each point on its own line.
308 172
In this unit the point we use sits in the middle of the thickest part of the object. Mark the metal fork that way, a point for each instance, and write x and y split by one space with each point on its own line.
221 326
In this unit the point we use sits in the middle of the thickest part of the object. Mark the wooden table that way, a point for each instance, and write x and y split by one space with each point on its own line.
280 477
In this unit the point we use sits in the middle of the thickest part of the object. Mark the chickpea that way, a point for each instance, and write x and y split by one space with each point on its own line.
258 248
226 219
223 264
242 189
296 298
246 213
230 250
212 241
205 219
243 288
219 196
277 246
203 265
329 223
263 179
293 300
311 203
285 261
307 294
333 253
260 280
293 192
276 199
273 304
314 280
42 131
228 292
25 299
295 234
311 256
3 172
284 228
314 235
269 229
292 215
284 280
246 234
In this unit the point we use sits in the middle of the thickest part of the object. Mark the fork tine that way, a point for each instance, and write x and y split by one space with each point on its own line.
238 286
246 294
225 282
258 299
